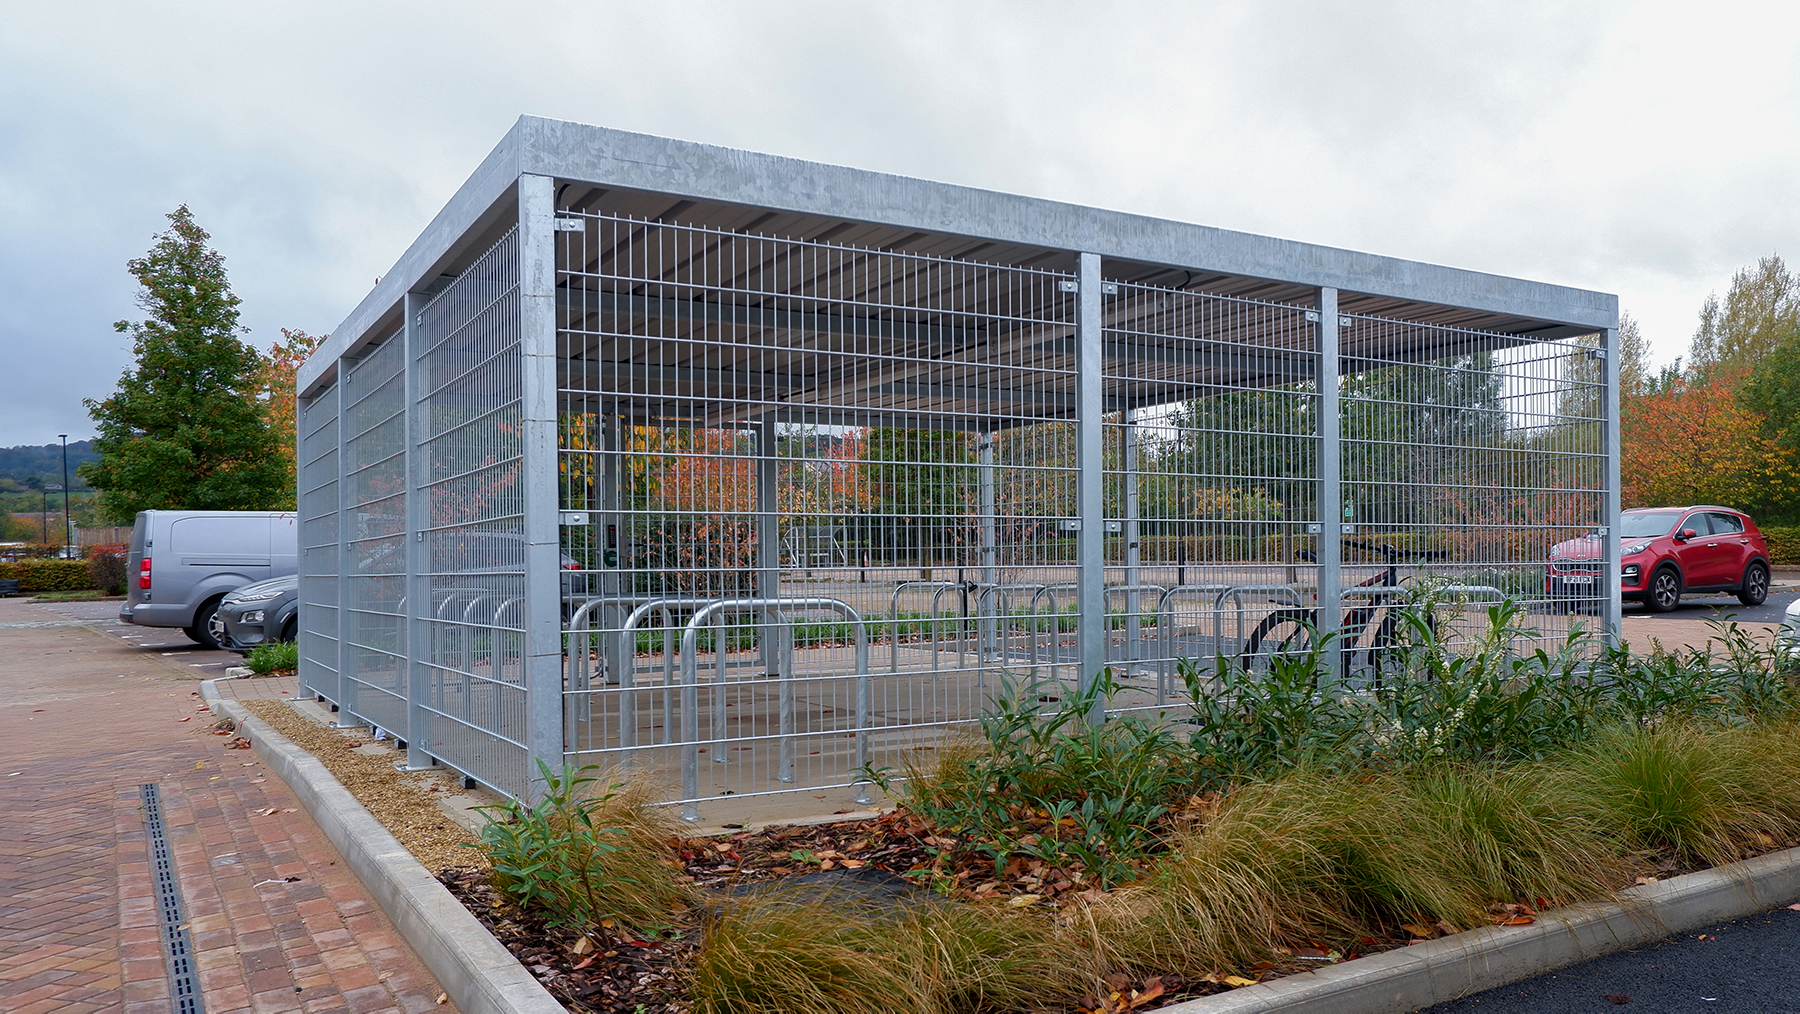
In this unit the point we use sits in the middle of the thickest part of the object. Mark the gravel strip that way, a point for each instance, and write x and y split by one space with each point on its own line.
406 803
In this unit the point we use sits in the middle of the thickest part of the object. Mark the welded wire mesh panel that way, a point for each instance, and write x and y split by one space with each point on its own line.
318 565
814 500
1211 478
1470 459
374 613
472 570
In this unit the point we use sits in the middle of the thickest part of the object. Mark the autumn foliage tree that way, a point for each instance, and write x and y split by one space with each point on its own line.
1691 440
275 386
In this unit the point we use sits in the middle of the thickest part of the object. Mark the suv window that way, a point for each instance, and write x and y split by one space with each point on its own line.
1726 524
1697 522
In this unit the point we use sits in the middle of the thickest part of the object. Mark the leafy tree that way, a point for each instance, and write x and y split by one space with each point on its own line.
1695 442
1634 357
184 429
275 386
1759 312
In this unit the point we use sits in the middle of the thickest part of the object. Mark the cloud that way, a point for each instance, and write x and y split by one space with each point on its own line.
1643 149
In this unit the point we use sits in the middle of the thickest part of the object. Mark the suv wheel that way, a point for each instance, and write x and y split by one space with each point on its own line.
1665 591
1755 589
208 630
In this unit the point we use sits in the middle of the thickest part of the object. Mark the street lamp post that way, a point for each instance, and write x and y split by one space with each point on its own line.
68 522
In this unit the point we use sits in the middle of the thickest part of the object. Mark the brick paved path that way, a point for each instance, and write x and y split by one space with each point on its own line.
277 922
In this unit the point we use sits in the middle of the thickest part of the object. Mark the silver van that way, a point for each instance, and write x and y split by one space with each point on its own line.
181 563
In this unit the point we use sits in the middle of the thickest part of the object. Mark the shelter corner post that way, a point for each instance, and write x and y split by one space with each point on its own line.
542 648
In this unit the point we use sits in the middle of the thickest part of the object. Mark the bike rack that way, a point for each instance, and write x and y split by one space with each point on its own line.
770 610
1236 593
1049 592
621 664
894 618
1134 637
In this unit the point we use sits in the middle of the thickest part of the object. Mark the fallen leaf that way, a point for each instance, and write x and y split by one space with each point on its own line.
1795 906
1152 990
1422 932
1646 880
582 946
1024 900
265 813
188 718
442 999
1519 920
1237 980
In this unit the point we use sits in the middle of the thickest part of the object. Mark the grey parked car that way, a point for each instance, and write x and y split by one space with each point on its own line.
181 564
259 613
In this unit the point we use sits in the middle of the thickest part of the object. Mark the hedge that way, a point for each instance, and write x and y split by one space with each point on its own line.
1784 544
49 575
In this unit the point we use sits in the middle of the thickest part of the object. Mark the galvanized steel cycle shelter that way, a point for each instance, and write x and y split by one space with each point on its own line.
740 473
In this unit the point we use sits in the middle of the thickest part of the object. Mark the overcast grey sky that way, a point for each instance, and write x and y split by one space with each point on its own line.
1646 149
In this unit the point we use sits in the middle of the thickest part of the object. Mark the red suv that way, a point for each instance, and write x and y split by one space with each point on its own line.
1665 551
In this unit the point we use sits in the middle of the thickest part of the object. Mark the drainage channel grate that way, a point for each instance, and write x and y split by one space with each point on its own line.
184 972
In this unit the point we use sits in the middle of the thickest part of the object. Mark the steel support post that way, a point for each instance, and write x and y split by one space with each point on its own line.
990 549
1610 505
543 576
1090 464
1133 599
615 557
418 519
346 530
1331 509
768 541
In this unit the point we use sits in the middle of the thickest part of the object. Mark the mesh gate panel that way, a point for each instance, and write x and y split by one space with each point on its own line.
472 575
318 565
375 578
822 492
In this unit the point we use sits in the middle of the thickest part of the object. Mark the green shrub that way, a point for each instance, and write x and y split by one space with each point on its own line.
1055 783
1784 544
578 857
273 656
106 566
49 575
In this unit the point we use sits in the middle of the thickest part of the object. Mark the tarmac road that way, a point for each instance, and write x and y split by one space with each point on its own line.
167 642
1750 965
1720 607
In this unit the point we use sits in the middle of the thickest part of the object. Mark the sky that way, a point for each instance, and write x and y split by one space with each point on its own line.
1644 149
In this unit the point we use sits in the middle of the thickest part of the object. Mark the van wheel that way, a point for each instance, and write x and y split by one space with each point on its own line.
208 630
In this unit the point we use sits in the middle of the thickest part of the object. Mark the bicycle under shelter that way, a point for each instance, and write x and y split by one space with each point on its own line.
741 473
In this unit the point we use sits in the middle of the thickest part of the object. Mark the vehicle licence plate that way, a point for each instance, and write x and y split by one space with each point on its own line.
1577 579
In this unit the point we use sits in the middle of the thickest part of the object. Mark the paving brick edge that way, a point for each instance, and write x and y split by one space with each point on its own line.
1411 978
480 975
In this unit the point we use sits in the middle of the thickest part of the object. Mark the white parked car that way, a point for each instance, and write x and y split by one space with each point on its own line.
1790 626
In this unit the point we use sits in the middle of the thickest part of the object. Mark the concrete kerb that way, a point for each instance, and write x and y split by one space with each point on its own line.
1450 967
480 975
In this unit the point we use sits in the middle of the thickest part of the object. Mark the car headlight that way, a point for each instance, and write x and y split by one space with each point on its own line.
257 596
1636 548
253 616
